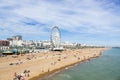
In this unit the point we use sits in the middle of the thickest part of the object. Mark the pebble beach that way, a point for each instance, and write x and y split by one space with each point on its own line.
33 66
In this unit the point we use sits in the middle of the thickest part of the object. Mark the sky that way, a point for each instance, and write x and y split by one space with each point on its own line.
94 22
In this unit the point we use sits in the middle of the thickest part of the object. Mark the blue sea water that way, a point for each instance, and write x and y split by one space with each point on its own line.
106 67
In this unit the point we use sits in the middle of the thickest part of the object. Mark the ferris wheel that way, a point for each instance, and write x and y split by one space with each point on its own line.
55 38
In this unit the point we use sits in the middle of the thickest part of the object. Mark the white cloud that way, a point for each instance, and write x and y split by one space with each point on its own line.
77 16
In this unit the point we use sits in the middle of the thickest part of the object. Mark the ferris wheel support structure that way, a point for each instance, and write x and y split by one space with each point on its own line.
55 38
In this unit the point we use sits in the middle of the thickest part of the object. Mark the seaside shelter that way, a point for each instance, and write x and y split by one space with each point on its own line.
7 53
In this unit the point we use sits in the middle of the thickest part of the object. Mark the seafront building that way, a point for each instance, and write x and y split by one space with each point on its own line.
55 43
17 42
4 44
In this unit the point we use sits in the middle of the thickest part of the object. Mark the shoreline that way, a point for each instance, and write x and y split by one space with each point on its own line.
41 76
45 63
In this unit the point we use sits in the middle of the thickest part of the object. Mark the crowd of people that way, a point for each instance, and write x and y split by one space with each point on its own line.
26 73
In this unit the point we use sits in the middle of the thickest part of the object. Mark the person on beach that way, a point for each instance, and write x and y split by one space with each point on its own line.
42 70
19 77
78 58
25 71
28 73
48 70
22 77
15 76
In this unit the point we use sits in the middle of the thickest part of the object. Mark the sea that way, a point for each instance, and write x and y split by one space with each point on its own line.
105 67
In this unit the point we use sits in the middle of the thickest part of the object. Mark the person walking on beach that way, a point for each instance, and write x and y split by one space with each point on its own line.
28 73
15 76
25 71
